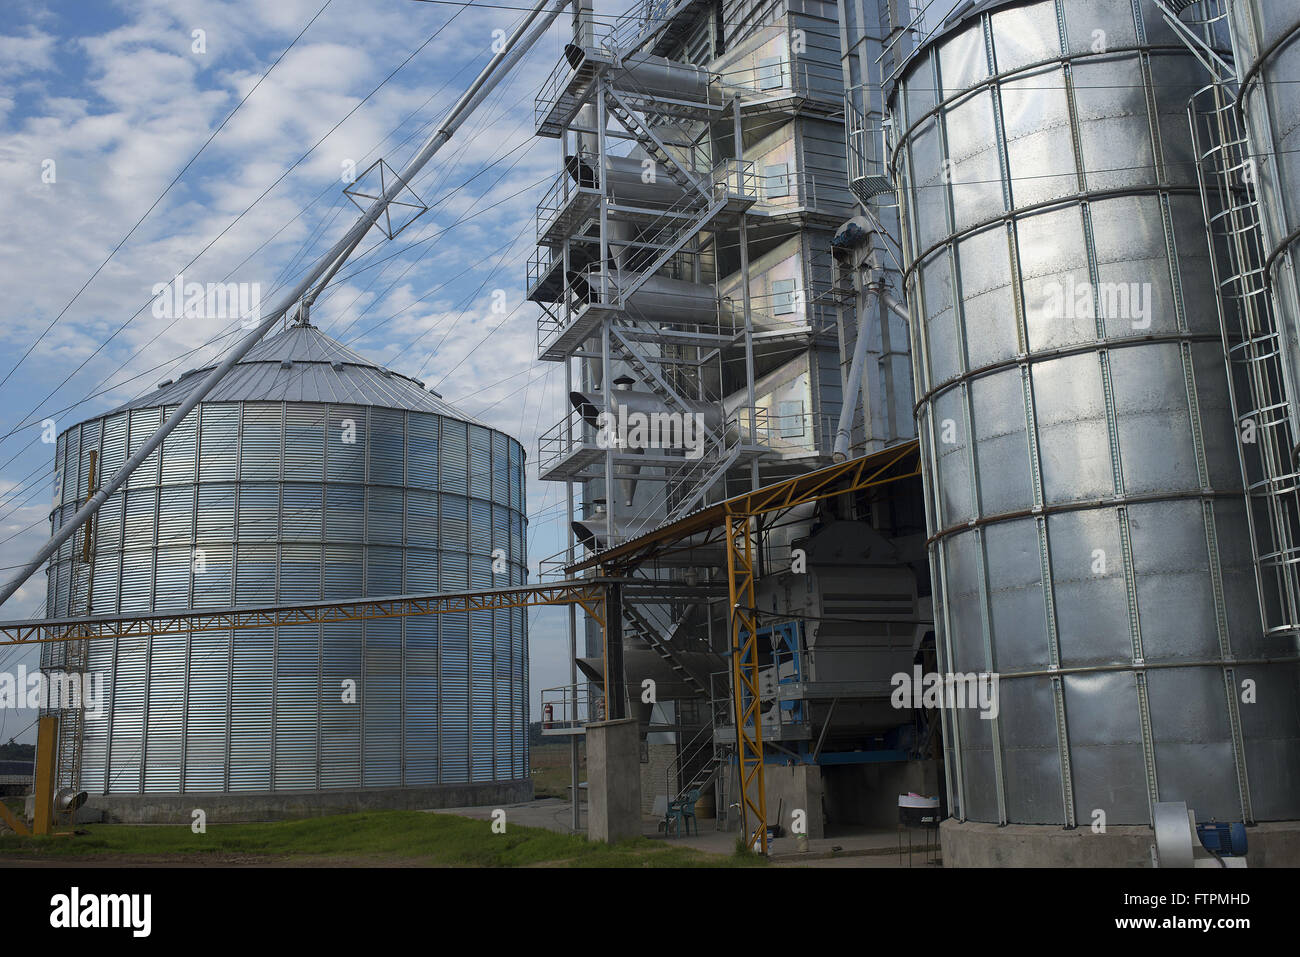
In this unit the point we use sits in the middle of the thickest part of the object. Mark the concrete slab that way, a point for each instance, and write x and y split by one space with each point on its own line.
977 844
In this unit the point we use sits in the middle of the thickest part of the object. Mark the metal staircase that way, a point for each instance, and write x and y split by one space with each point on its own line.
660 639
698 762
653 146
597 295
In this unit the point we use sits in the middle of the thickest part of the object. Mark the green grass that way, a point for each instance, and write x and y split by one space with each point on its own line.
440 840
551 773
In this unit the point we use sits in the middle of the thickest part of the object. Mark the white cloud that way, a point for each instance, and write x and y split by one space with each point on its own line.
145 103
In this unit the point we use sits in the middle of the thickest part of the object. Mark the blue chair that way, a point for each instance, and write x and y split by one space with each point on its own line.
682 811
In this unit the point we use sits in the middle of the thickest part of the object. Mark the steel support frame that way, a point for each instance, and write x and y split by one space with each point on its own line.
746 701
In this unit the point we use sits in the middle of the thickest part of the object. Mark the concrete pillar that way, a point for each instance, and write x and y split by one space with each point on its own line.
613 780
795 787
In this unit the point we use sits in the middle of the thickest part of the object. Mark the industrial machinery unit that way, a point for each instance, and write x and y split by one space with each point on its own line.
1088 533
309 473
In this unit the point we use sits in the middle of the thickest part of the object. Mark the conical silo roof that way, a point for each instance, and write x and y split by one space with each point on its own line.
302 364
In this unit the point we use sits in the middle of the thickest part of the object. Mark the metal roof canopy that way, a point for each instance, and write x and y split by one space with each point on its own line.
848 476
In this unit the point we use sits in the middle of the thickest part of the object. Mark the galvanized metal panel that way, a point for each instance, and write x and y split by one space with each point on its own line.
345 457
305 439
166 704
423 434
480 462
481 696
422 518
143 424
302 513
387 446
385 519
345 513
454 464
341 704
297 698
180 450
130 691
455 737
207 700
218 441
252 686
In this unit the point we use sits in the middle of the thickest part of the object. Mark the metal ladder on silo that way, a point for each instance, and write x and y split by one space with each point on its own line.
1259 388
76 653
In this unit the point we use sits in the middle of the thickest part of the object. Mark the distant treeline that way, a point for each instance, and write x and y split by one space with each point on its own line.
17 752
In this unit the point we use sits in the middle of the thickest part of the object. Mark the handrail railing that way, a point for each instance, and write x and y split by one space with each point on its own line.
797 77
687 755
570 707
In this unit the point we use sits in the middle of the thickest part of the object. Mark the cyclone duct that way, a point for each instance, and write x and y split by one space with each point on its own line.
1084 497
309 473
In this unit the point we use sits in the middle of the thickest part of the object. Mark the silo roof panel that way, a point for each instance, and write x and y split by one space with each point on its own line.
302 364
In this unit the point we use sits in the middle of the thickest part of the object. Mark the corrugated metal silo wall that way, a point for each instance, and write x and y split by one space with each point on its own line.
1084 493
263 502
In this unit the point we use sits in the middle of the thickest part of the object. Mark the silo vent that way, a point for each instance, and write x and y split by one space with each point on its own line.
165 383
286 363
336 366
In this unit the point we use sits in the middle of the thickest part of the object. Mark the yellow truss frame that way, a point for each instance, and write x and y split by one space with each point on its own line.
590 595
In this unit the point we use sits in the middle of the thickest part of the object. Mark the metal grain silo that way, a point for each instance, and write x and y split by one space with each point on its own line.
309 473
1088 536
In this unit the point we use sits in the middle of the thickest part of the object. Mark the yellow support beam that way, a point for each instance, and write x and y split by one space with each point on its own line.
18 826
47 743
746 701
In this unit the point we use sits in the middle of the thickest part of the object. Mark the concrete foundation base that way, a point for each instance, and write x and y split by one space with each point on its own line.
973 844
284 805
613 780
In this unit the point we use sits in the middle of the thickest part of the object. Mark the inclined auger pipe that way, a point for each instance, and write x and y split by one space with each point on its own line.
516 45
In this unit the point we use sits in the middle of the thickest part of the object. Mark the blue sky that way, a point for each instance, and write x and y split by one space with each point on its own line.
114 99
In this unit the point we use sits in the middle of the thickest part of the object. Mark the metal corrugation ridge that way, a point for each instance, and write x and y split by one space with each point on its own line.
302 364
